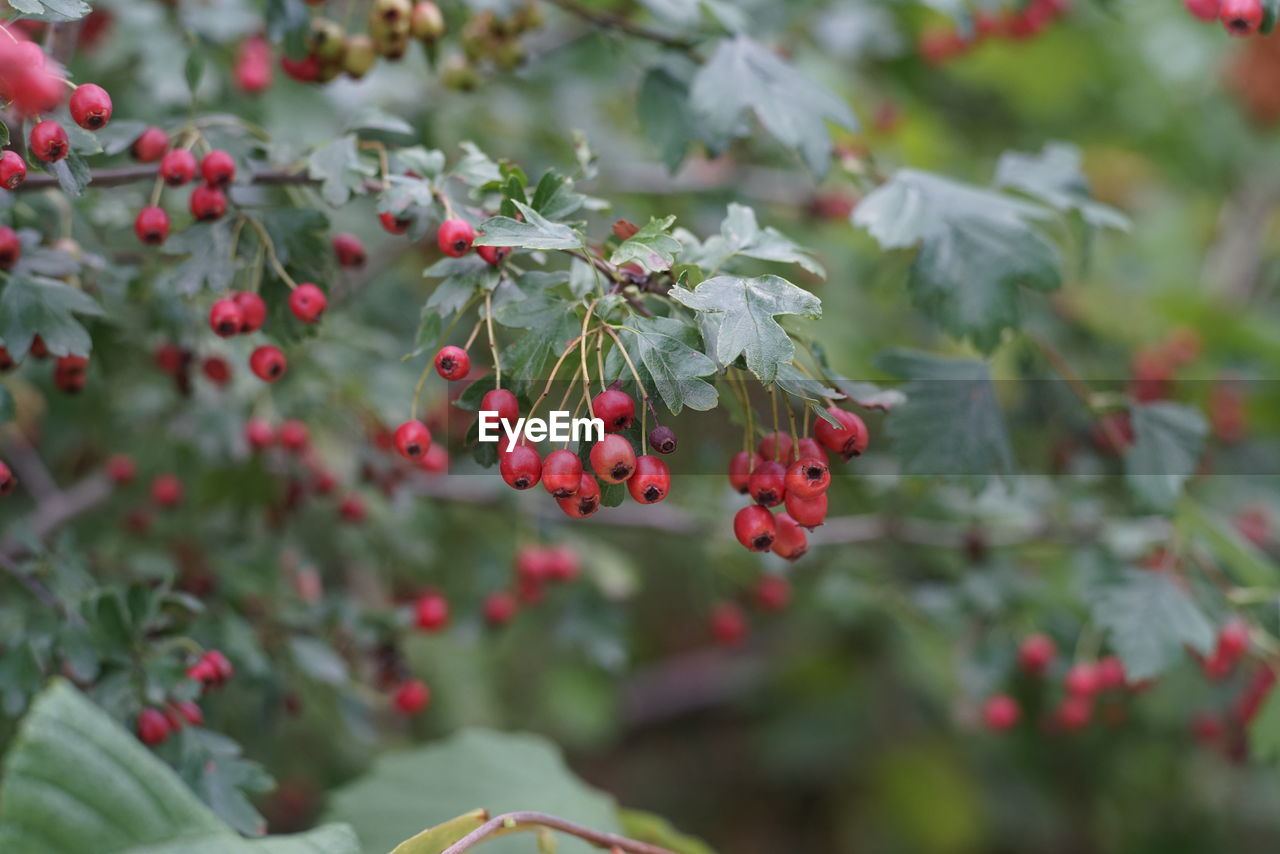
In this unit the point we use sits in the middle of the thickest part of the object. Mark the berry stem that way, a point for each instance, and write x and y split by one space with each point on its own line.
600 360
773 408
417 390
271 252
569 387
795 436
493 342
582 344
644 394
384 165
546 390
475 330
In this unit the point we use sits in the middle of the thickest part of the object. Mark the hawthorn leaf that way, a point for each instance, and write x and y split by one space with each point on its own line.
665 114
652 247
34 305
433 840
1168 439
741 234
739 315
656 830
57 11
340 170
950 422
208 247
1054 176
1264 729
406 194
371 118
1150 618
797 383
675 368
744 77
536 232
8 409
555 198
461 278
977 248
476 168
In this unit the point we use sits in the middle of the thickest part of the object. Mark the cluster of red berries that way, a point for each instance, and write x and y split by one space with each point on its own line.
294 438
331 51
154 726
176 362
941 43
70 373
178 167
1238 17
795 475
728 620
1083 684
243 313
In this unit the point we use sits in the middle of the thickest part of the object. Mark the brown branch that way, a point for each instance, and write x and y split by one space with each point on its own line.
517 820
1080 388
135 174
608 21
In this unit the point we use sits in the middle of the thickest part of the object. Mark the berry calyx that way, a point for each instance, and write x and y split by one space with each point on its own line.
13 170
225 318
499 608
120 469
152 226
431 612
1241 17
755 528
349 250
585 501
663 439
150 145
455 237
412 439
49 141
615 408
268 363
521 468
411 697
728 624
208 203
218 168
307 302
1000 713
395 224
651 481
849 440
767 484
790 542
10 247
777 446
613 459
254 308
166 490
808 478
452 363
808 512
740 468
502 402
495 255
152 727
90 106
8 481
561 473
178 167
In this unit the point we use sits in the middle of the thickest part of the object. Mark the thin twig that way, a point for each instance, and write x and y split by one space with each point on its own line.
531 820
135 174
608 21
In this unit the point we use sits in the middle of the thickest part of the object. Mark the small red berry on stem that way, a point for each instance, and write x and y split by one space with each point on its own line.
811 449
294 435
412 697
218 168
166 490
178 167
455 237
663 439
791 542
561 473
755 528
13 170
495 255
1000 713
615 408
1082 680
352 509
349 250
777 447
740 468
767 484
254 308
1241 17
268 363
808 478
49 141
208 203
152 727
90 106
613 459
152 226
225 318
150 145
412 439
651 481
521 468
258 434
10 248
728 624
395 224
585 501
121 469
849 440
216 370
808 512
504 403
70 373
1205 10
307 302
452 363
499 608
431 612
772 593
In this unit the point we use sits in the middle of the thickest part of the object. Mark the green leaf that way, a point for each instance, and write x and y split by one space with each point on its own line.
536 232
675 368
1250 565
433 840
372 118
651 247
1150 618
554 197
1168 439
51 10
1054 177
744 76
976 249
740 234
4 134
475 168
75 781
8 410
461 278
288 21
799 384
339 167
474 769
740 315
209 263
656 830
34 305
1264 730
72 172
950 423
665 115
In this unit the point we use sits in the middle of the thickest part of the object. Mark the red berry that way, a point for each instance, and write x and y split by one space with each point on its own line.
663 439
728 624
808 512
294 435
1205 10
218 168
395 224
10 247
255 310
499 608
307 302
216 370
777 447
38 348
613 459
49 141
740 468
533 564
268 363
521 468
1082 680
495 255
808 478
1074 713
7 479
455 237
811 449
352 509
1111 674
258 434
435 460
1036 653
585 501
152 226
208 203
767 484
306 70
1000 713
790 542
253 65
1206 727
431 612
225 318
190 712
651 481
178 167
773 593
166 490
13 170
6 361
849 440
755 528
150 146
90 106
349 250
562 564
70 373
1233 640
412 697
412 439
615 408
1241 17
561 473
153 727
502 402
121 469
452 363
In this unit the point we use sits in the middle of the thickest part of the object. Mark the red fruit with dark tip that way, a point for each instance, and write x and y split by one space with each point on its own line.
208 203
772 593
1111 673
613 459
254 308
755 528
412 439
218 168
13 170
349 250
495 255
431 612
351 509
7 479
70 373
411 697
435 460
561 473
49 141
307 302
294 435
226 318
521 468
791 542
740 468
258 434
178 167
1241 17
150 145
190 712
504 403
808 512
585 501
849 440
728 624
10 247
767 484
152 727
808 478
152 226
395 224
121 469
455 237
663 439
1000 713
1081 680
499 608
90 106
811 449
305 70
452 363
778 447
615 408
1036 653
651 481
268 363
216 370
166 490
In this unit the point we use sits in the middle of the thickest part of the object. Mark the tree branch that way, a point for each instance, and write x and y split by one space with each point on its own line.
135 174
607 21
517 820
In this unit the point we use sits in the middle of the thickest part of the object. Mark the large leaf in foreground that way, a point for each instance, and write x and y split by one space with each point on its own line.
1150 618
1168 439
